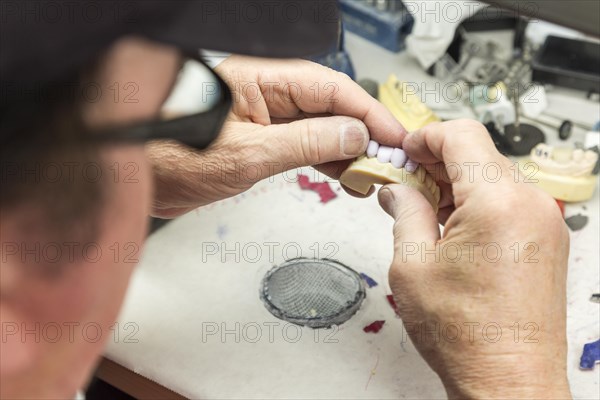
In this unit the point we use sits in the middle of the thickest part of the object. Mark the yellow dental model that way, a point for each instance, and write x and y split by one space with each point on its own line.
404 103
365 172
382 164
564 173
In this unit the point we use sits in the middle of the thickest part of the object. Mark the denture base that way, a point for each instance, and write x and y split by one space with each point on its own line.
564 187
365 172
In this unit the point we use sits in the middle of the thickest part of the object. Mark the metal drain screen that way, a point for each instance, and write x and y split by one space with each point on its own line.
312 292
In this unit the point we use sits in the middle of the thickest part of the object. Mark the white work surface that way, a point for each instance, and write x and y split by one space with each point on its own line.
183 296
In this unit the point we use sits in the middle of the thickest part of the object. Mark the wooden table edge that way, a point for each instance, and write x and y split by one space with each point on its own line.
133 384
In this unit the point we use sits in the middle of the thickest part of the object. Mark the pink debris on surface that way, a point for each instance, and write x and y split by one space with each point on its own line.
322 188
374 327
390 299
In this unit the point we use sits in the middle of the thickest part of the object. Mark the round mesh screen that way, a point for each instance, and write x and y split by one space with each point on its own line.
313 292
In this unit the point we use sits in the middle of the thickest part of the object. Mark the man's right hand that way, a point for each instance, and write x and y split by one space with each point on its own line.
485 303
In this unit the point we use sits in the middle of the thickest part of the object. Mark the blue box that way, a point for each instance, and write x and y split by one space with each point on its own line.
384 28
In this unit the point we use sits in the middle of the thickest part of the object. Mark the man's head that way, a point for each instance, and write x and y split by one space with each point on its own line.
73 224
74 212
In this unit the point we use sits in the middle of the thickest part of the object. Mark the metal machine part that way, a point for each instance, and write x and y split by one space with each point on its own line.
583 16
522 138
565 129
515 138
317 293
491 71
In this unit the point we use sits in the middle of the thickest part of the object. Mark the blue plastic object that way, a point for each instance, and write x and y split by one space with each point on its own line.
370 281
387 29
590 355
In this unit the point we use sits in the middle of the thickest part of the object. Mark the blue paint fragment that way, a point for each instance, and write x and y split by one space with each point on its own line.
590 356
370 281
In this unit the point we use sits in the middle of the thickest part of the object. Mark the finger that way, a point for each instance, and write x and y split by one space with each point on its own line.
451 142
301 115
415 219
314 141
466 150
354 101
324 90
292 88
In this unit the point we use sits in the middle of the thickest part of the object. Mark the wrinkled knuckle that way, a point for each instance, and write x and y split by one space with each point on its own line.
309 144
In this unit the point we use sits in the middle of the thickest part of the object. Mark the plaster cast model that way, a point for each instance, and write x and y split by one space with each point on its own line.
564 173
382 165
404 102
564 160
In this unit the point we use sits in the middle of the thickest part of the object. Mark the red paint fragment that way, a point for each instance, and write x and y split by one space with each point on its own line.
322 188
374 327
392 302
561 205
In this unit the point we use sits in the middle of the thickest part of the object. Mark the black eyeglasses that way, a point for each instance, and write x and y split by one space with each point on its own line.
197 130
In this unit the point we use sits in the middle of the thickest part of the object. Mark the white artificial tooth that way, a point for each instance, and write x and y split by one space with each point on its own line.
411 166
384 154
398 158
372 149
577 155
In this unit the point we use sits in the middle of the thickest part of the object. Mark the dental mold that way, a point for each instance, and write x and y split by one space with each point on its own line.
382 165
564 173
564 160
403 101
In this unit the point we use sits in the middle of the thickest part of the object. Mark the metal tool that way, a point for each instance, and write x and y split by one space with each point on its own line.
522 138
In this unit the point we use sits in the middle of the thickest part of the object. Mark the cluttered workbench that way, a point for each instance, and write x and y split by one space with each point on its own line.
194 323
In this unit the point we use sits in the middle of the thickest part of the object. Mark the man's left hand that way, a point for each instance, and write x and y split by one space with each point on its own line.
286 114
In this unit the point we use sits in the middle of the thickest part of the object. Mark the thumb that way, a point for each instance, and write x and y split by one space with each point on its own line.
312 141
415 219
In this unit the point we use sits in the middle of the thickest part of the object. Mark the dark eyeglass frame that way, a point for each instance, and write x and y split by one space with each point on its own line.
196 130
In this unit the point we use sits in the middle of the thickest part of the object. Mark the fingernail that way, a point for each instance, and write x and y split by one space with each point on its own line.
386 200
353 138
